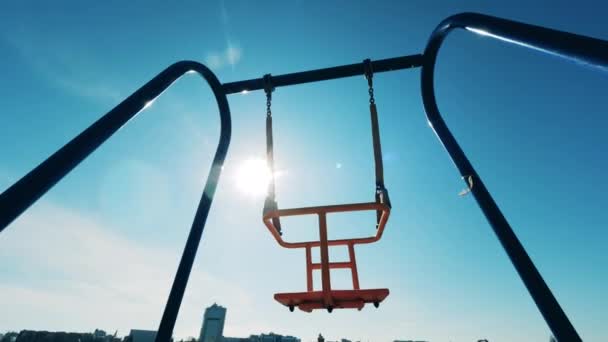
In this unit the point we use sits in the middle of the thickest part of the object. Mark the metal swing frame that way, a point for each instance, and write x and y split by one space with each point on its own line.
22 194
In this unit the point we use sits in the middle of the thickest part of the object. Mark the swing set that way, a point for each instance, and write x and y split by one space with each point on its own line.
21 195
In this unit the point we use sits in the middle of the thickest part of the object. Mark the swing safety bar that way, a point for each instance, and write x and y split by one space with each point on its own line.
323 210
581 49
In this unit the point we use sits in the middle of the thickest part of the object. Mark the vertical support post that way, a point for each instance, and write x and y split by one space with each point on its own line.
583 50
353 266
325 277
309 286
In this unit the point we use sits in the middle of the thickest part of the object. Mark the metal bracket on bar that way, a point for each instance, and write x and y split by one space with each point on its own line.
368 70
268 87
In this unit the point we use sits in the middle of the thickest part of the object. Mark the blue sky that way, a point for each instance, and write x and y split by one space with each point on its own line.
101 248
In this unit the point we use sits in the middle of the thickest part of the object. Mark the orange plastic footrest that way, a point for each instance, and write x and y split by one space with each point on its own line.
339 299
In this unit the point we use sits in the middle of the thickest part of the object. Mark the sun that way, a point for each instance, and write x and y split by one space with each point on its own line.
253 176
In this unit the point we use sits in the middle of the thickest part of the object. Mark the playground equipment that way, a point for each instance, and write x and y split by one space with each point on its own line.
328 298
17 198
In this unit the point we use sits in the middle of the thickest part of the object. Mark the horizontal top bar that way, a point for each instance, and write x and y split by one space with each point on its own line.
382 65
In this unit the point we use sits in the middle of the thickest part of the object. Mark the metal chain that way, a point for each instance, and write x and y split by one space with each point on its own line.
369 75
372 100
268 88
268 103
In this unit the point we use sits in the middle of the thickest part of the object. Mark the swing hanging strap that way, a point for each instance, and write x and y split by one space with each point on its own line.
381 192
270 204
268 89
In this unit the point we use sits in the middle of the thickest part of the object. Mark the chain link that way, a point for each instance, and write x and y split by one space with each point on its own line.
372 100
268 88
268 104
369 75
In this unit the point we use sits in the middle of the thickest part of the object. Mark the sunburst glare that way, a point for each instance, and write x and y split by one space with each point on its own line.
253 176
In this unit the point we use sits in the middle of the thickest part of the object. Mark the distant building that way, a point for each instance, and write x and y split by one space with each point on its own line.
101 336
271 337
98 333
212 329
213 324
48 336
235 339
137 335
11 337
59 336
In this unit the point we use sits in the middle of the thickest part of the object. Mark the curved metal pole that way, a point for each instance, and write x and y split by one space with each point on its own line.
16 199
578 48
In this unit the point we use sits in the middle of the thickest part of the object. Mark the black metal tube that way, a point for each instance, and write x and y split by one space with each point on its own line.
572 46
383 65
167 323
16 199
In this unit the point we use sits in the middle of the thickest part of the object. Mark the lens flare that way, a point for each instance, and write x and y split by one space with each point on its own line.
252 177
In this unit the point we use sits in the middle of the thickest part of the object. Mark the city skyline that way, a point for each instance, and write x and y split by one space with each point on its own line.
214 314
213 320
